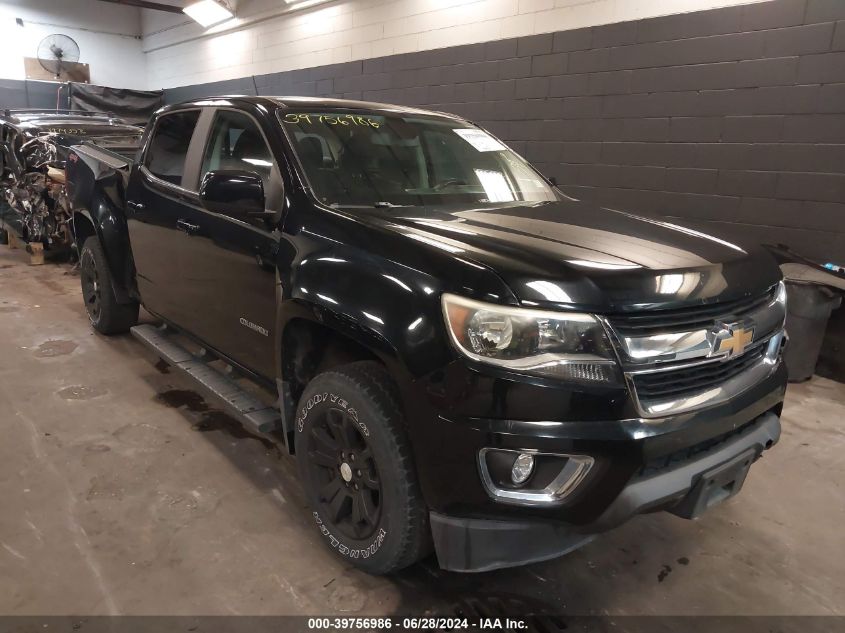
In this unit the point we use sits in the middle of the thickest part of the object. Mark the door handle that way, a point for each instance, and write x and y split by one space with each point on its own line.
135 206
190 229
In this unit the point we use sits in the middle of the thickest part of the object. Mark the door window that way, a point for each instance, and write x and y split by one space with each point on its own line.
169 145
237 143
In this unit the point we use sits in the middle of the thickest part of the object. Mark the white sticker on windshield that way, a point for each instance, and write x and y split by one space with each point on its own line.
480 140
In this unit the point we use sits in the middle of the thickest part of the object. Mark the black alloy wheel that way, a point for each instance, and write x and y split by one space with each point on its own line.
357 470
106 313
91 287
350 490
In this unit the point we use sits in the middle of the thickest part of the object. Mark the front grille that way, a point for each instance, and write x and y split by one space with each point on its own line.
676 383
690 318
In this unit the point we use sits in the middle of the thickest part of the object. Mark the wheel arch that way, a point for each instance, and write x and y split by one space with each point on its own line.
82 227
366 307
314 340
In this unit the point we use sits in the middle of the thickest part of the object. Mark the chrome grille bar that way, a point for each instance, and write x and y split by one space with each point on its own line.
709 394
672 345
672 368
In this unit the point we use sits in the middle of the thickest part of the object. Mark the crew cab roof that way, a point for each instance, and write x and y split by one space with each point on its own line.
294 102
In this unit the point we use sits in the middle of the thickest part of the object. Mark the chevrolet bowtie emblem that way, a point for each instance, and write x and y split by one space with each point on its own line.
731 339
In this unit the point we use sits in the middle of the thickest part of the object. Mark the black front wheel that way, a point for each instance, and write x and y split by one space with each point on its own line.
356 467
350 491
105 313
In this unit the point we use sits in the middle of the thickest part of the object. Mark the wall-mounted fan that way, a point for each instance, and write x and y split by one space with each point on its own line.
57 52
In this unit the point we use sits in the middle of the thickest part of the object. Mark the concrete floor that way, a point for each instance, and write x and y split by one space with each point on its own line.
122 492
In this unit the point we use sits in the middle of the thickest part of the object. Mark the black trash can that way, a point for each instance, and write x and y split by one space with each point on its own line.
808 310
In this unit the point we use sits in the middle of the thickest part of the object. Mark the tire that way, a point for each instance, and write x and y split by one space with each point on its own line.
349 432
105 313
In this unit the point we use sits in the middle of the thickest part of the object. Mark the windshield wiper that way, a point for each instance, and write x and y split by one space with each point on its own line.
377 205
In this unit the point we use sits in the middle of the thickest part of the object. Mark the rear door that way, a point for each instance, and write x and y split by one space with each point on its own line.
229 263
156 197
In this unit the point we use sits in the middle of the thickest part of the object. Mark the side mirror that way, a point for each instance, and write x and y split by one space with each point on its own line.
233 192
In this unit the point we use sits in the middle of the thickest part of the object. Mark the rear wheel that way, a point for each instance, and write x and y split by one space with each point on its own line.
105 313
355 464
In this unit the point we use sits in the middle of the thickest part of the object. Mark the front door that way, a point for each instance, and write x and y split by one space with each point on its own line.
229 263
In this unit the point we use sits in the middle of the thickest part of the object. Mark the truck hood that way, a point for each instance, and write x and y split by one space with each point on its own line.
571 253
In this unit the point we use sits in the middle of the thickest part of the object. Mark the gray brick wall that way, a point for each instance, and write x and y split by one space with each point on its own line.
17 93
732 118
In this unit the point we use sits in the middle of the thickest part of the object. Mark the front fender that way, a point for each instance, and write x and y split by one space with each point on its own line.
392 310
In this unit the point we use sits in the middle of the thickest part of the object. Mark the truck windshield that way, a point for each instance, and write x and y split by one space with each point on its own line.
371 159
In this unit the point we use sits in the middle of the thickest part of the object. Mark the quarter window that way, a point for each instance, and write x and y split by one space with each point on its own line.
169 145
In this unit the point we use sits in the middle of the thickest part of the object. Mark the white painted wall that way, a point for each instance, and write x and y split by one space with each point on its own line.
108 36
268 37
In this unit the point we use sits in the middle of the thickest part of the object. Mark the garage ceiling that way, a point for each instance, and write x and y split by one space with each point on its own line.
171 6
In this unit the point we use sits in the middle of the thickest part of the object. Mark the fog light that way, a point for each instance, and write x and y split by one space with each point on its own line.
531 478
522 468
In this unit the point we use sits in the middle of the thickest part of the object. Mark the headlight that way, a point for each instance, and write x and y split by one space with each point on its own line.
568 346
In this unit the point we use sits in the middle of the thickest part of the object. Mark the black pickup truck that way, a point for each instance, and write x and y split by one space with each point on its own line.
463 355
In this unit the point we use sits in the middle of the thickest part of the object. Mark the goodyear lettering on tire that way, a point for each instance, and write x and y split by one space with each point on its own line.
334 399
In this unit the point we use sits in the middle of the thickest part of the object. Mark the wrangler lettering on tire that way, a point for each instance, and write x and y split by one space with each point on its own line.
356 467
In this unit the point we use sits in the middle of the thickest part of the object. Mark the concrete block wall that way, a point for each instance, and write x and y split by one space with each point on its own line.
271 36
16 93
13 94
733 118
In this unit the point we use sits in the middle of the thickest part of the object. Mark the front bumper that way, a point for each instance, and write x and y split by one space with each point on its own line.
686 488
449 432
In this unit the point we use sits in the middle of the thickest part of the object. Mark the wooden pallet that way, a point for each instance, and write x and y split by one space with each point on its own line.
35 249
13 240
36 253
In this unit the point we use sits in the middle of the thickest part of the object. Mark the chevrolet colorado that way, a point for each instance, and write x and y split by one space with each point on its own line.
463 356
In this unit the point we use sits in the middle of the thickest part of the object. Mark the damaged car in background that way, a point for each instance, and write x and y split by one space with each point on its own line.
33 150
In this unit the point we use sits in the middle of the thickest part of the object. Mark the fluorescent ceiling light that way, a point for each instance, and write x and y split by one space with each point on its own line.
208 12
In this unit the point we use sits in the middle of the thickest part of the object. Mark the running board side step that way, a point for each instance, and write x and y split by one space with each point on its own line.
252 413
